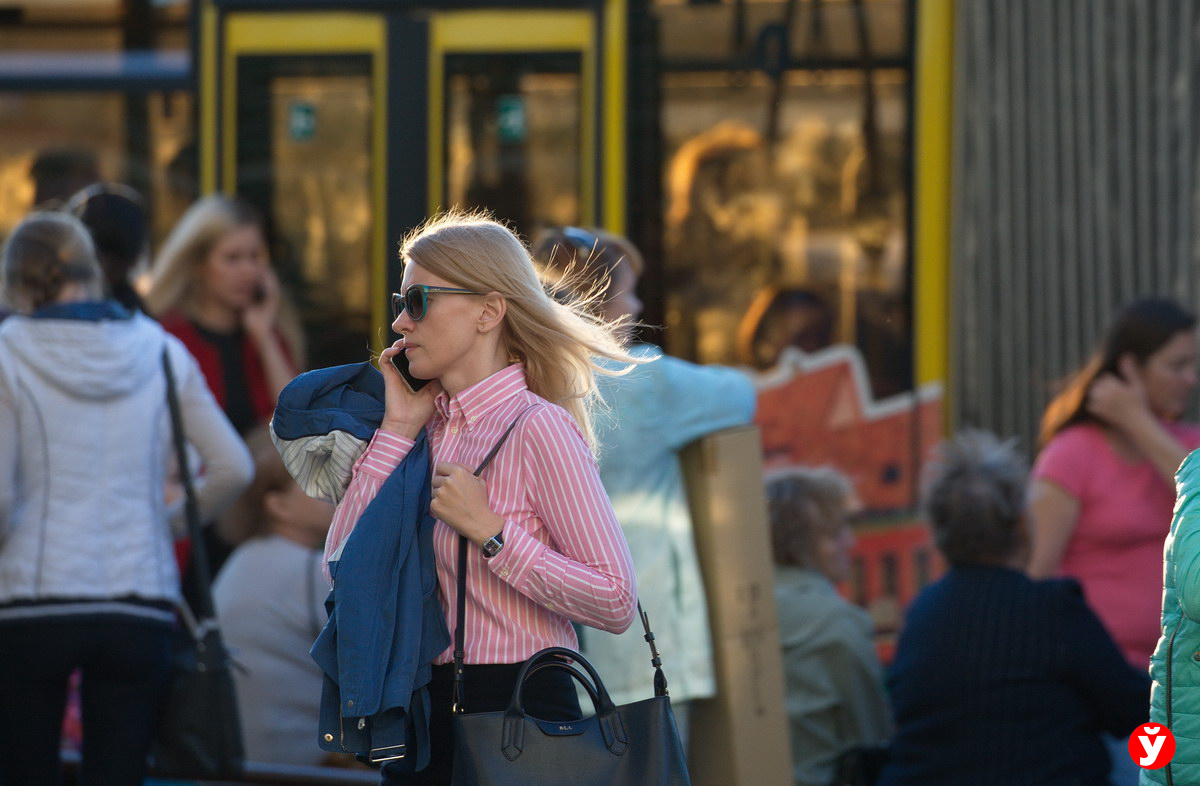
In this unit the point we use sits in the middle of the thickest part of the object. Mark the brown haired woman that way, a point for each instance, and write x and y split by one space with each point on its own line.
1103 483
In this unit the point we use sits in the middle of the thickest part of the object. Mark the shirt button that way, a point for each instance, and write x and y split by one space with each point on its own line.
550 606
454 429
504 573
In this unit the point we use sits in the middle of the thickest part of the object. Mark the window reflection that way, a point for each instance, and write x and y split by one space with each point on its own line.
52 144
800 243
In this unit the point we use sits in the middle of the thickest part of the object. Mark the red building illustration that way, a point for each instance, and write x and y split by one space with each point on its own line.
818 410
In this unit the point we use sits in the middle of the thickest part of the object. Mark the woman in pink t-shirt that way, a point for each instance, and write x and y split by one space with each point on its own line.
1103 487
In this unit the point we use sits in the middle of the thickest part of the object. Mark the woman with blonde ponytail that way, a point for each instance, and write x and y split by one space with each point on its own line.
546 549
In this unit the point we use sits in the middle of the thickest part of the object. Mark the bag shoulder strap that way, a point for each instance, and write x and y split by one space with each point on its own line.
199 558
660 679
461 604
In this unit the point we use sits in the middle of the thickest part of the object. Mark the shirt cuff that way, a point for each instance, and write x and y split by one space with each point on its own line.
384 454
520 555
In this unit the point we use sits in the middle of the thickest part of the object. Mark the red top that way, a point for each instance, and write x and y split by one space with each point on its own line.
262 401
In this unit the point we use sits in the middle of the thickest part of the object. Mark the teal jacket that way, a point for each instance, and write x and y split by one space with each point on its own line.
1175 665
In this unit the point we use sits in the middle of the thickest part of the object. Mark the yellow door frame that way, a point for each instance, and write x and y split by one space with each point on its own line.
488 31
293 33
932 192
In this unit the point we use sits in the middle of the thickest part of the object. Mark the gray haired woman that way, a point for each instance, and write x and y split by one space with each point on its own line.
999 679
835 697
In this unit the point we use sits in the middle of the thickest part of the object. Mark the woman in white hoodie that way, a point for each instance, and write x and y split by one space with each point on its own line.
87 572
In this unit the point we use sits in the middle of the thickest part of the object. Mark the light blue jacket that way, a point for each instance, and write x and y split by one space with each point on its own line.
654 411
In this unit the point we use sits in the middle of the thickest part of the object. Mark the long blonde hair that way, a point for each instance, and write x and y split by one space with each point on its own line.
188 246
559 342
175 269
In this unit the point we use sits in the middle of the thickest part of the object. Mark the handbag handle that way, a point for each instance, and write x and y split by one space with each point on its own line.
205 609
579 675
607 716
549 657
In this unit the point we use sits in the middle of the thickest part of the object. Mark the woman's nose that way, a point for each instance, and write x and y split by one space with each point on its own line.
402 323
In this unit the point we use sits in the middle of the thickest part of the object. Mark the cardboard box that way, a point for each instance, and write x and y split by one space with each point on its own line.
740 736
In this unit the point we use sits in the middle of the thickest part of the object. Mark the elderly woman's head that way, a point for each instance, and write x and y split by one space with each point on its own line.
808 509
974 496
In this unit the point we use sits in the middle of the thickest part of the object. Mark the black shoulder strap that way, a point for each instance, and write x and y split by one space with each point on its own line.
199 557
461 605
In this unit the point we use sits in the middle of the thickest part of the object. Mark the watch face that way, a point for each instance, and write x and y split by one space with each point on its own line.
491 546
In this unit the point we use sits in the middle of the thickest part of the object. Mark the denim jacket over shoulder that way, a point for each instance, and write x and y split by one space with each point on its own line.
385 621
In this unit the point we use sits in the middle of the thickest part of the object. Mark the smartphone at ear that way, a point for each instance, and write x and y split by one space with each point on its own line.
400 363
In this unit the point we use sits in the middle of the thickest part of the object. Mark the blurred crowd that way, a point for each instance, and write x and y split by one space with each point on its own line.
1029 661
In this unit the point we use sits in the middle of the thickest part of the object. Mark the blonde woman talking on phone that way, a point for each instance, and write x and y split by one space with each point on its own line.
545 547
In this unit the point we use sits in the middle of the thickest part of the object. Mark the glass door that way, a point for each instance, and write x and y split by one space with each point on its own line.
514 136
304 155
302 135
515 123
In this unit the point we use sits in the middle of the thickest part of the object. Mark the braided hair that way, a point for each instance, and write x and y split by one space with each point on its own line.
46 252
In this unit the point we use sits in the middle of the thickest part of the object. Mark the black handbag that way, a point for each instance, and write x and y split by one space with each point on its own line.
634 744
200 732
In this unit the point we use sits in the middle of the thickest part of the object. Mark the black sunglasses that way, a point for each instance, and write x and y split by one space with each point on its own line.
415 300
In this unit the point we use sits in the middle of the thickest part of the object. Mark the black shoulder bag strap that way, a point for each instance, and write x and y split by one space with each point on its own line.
660 679
199 558
459 635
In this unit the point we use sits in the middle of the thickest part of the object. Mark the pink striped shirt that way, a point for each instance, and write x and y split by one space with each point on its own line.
564 556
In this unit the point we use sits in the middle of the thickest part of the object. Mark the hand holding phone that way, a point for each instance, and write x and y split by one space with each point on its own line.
400 363
408 406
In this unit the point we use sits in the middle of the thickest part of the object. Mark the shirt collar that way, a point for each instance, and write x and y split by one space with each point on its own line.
484 396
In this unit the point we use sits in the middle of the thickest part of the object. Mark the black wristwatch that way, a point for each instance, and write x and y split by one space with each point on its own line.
491 547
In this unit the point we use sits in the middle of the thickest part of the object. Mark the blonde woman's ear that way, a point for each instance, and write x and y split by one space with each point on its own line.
495 306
